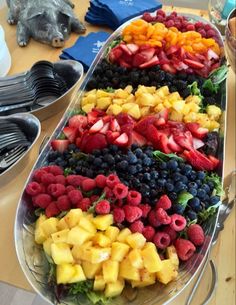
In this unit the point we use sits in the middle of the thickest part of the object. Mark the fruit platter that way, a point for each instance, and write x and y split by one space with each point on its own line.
122 203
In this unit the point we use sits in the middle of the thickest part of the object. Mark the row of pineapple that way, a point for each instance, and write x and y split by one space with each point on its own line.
86 247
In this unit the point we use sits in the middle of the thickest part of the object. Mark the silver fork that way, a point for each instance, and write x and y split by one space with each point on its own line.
12 156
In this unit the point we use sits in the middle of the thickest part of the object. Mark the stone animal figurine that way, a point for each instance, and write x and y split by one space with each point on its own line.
48 21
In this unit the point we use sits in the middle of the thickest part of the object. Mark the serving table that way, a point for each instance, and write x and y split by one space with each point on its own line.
223 253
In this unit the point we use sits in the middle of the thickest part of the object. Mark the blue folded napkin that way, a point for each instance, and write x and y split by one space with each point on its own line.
86 48
114 13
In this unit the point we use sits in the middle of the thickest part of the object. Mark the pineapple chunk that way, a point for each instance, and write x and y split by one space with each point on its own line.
151 259
127 106
79 252
101 240
167 104
214 125
120 93
77 236
114 289
102 93
93 91
172 255
149 245
186 109
193 99
62 224
118 101
158 99
61 253
128 272
110 271
103 102
49 226
146 99
99 283
114 109
87 225
97 255
190 117
73 217
123 235
159 107
174 96
145 111
214 112
60 236
89 99
90 270
178 105
134 112
88 107
163 91
102 222
78 276
39 235
136 240
129 89
64 273
112 233
146 279
136 259
119 251
40 220
176 116
47 245
130 99
167 273
193 107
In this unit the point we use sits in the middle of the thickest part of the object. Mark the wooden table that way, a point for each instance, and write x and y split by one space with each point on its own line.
10 272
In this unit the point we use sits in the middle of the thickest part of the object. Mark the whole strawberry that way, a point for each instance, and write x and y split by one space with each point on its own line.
196 234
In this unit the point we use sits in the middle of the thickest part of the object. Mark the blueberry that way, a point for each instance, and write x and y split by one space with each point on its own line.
194 203
152 184
147 161
123 165
109 159
135 183
172 164
72 162
118 158
192 175
139 168
214 200
149 153
105 151
178 209
162 165
179 186
201 193
132 159
153 193
113 148
201 175
89 173
145 190
154 175
164 174
206 188
146 177
177 177
132 169
191 215
169 187
104 165
211 185
97 162
173 196
52 156
134 146
138 152
193 185
192 191
78 169
187 169
184 179
62 163
199 182
161 182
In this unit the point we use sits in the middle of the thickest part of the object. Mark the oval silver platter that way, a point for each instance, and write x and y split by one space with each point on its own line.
32 127
31 256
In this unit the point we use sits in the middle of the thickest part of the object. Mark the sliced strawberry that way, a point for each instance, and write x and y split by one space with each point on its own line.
114 125
127 58
124 63
105 128
138 60
78 141
164 114
164 147
94 115
179 65
214 161
144 47
132 47
125 49
70 133
176 126
168 68
212 55
198 160
112 136
127 128
173 145
173 49
115 54
148 53
160 122
107 119
193 63
124 118
142 125
153 135
97 126
182 53
197 143
78 121
152 62
163 58
196 130
138 139
191 56
184 139
60 145
94 141
122 140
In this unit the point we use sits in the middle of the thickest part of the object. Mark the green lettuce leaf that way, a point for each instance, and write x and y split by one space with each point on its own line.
92 208
219 75
184 197
218 188
205 214
77 111
213 88
67 171
165 157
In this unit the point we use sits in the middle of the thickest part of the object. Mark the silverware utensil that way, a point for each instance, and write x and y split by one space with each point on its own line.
12 156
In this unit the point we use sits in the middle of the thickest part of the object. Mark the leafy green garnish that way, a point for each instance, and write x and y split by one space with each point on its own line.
109 89
213 88
113 44
184 197
205 214
92 208
165 157
214 178
79 155
67 171
61 136
195 90
38 212
219 75
192 222
62 214
77 111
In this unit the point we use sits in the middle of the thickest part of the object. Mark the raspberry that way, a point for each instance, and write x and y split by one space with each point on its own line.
60 179
207 27
120 191
170 232
74 180
147 17
52 210
178 222
108 192
164 202
112 180
47 178
202 32
137 226
148 233
161 13
94 198
161 240
84 204
33 188
101 181
196 234
42 200
43 188
185 248
145 209
132 213
88 184
199 24
56 189
103 207
119 203
63 203
163 217
134 198
55 170
70 188
75 196
118 215
210 33
153 220
190 27
38 173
